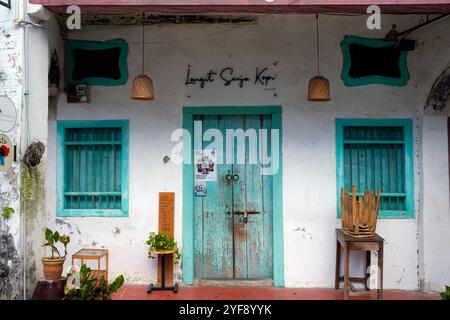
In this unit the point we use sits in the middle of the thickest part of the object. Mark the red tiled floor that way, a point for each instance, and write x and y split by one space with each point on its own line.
139 292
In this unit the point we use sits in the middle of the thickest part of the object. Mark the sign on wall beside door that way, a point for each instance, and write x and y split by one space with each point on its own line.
6 152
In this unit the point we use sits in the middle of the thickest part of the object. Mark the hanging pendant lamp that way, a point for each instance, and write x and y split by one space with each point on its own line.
318 87
142 85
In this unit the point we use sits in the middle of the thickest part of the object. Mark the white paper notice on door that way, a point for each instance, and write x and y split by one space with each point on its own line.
205 164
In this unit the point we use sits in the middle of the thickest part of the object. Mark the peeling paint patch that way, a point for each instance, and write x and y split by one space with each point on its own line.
116 232
305 234
155 19
9 265
6 34
62 222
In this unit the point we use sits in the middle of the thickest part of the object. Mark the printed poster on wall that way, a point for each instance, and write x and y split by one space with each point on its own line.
205 165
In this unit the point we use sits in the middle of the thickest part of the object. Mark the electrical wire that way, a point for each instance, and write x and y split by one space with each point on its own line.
317 44
143 41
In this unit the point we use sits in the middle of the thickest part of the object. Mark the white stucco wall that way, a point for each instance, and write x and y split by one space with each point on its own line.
41 40
309 159
436 219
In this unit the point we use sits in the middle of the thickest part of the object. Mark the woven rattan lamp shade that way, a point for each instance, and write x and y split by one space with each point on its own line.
319 89
142 88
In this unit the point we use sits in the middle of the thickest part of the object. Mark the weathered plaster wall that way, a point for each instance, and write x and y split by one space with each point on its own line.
10 86
40 45
434 214
309 159
436 225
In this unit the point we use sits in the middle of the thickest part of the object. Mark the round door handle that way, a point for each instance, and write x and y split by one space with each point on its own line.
229 178
236 178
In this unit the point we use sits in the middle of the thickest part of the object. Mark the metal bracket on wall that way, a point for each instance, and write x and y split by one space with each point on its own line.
408 31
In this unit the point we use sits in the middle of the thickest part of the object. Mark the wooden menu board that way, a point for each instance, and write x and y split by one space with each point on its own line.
166 224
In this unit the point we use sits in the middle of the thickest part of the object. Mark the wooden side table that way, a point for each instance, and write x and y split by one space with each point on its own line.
163 287
368 244
93 254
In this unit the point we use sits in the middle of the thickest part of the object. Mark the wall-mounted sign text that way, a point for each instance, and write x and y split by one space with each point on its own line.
229 76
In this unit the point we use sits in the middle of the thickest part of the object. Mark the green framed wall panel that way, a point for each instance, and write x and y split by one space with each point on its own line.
97 45
374 79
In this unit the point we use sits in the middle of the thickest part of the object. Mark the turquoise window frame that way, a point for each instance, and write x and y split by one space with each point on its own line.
62 125
409 213
188 187
98 45
374 43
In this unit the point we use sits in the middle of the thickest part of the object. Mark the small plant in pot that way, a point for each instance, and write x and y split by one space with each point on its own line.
53 265
83 285
160 242
445 295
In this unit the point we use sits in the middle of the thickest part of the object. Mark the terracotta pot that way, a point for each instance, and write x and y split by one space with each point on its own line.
53 267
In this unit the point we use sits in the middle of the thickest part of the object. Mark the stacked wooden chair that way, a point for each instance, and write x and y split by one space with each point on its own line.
359 214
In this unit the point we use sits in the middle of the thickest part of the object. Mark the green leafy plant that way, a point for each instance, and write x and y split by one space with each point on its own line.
161 242
90 287
445 295
52 239
6 213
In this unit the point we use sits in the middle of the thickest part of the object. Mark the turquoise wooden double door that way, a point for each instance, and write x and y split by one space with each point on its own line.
233 231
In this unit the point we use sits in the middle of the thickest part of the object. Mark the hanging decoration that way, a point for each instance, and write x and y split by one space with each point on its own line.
53 75
318 87
142 85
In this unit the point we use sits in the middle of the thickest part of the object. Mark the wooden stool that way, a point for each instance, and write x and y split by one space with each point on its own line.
368 244
96 255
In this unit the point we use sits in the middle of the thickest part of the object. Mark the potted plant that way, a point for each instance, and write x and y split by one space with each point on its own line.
53 266
162 242
445 295
84 285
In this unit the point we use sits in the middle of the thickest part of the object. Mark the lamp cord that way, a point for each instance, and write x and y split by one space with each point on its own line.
143 41
317 44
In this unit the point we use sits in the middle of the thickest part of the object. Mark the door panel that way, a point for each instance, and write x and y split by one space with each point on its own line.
226 246
259 226
218 232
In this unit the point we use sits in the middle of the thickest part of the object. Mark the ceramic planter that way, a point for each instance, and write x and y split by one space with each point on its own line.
53 267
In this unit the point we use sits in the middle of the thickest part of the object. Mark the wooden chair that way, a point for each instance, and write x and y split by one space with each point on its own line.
359 214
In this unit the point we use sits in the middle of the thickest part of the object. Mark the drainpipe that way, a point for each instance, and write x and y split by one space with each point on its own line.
24 133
